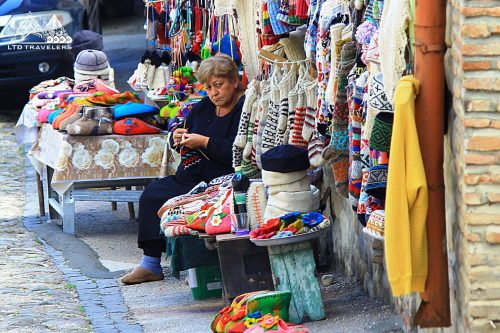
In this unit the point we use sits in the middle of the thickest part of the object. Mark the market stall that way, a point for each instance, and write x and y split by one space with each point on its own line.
329 86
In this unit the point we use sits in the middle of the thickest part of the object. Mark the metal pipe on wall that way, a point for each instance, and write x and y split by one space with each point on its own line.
430 23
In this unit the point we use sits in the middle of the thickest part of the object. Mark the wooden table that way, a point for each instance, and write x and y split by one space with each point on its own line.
91 168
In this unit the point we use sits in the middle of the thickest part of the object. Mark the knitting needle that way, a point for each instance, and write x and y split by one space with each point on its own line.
201 152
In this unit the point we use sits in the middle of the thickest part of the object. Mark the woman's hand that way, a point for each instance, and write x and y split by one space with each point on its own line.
194 141
177 135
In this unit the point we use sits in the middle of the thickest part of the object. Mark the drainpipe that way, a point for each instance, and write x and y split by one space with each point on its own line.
430 23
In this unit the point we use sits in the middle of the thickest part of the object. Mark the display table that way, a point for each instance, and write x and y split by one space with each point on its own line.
244 266
293 269
78 165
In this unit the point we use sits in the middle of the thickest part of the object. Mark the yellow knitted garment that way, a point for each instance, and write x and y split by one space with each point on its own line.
406 198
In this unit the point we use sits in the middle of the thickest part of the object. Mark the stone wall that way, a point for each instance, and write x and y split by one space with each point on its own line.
355 253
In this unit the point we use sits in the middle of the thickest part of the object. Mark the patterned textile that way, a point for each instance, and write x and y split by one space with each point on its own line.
382 132
105 157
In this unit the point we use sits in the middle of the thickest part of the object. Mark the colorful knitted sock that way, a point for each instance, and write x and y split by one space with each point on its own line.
309 120
271 129
340 168
264 110
151 264
296 138
250 97
286 85
314 149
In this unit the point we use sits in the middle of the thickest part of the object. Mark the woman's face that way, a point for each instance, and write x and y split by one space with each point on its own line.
221 91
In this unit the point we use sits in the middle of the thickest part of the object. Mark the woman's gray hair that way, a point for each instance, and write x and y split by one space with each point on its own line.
220 65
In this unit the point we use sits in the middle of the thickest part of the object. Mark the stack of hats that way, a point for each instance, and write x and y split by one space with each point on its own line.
375 225
93 64
284 172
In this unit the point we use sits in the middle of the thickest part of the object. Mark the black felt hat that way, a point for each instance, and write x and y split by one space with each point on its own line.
285 158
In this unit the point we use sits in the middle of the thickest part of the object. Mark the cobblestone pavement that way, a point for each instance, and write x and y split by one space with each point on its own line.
40 292
35 296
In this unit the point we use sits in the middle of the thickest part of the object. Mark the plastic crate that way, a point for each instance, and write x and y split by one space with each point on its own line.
205 282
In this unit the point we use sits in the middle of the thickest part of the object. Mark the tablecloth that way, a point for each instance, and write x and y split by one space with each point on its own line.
95 158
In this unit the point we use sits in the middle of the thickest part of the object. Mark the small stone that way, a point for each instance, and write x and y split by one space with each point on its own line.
327 280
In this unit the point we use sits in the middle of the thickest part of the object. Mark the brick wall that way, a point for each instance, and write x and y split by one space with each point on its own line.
472 167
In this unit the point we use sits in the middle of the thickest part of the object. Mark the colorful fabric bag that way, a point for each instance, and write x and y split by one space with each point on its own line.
220 220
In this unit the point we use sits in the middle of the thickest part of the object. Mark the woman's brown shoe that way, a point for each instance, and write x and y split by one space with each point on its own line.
141 275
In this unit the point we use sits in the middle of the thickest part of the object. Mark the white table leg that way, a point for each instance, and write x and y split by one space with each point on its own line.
68 208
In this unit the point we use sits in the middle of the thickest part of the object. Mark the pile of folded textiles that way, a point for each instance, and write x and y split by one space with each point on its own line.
92 107
206 208
290 224
257 312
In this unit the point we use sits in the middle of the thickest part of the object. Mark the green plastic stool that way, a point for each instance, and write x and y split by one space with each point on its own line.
293 270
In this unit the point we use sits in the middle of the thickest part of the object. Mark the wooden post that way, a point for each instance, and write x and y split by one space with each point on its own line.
430 23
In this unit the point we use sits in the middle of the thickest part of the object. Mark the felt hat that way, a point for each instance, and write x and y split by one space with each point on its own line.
131 109
380 138
375 225
93 64
91 60
271 178
134 126
285 159
377 181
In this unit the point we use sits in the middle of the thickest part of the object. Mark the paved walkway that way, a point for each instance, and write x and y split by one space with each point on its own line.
35 297
39 291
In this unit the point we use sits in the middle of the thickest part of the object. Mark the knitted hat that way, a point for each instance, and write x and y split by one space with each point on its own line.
278 26
382 131
375 225
378 99
285 158
292 201
377 181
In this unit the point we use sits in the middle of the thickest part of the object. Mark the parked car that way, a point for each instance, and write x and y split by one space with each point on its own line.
35 40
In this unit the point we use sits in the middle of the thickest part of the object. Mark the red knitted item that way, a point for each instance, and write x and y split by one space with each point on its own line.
298 124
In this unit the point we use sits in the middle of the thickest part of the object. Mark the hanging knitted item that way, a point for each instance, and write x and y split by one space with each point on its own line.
392 42
312 29
283 11
286 85
382 132
311 107
271 128
296 138
241 136
279 27
302 9
314 149
263 112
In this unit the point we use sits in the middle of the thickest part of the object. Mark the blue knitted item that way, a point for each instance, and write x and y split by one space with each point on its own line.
279 28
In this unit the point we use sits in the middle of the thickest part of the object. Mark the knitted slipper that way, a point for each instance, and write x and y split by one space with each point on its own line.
256 204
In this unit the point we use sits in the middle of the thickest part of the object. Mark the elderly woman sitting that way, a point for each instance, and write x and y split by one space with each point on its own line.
207 139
